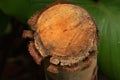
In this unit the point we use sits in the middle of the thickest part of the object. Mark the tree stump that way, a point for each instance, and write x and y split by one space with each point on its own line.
66 38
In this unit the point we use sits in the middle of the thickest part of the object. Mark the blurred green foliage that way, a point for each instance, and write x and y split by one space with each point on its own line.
105 12
22 9
4 20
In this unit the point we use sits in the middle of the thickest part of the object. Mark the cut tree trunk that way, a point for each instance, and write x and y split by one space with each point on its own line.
66 37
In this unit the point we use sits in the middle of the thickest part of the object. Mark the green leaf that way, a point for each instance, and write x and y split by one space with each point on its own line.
22 9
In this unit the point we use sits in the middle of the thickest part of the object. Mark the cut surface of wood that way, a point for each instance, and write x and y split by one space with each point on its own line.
66 30
65 38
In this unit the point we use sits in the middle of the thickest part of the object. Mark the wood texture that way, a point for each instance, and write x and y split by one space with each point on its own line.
67 39
68 31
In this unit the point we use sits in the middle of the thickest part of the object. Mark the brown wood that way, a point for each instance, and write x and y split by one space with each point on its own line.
67 39
68 31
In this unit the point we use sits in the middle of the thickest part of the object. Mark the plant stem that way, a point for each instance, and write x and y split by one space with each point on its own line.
87 74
